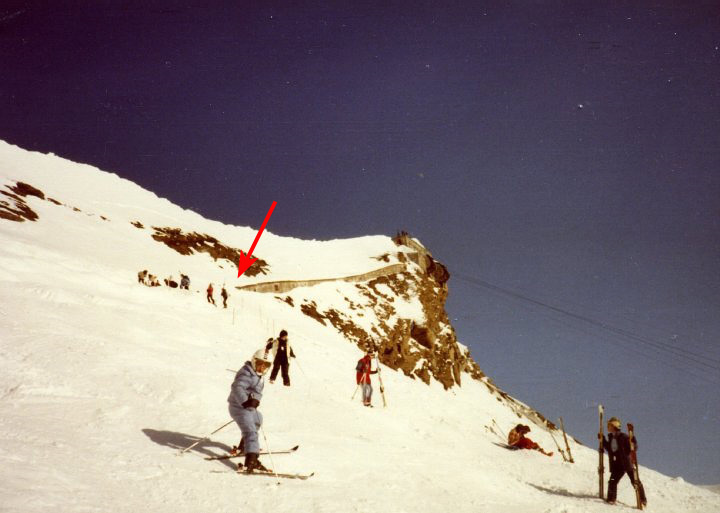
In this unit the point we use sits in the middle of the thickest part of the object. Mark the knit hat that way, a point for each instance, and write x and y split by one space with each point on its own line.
283 333
615 422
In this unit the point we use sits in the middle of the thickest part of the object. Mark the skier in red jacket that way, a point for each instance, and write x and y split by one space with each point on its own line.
362 377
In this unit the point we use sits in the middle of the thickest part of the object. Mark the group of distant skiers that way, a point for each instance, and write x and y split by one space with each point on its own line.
151 280
223 295
148 279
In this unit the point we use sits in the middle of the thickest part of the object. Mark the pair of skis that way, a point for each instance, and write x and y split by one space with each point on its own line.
382 388
269 473
635 468
633 459
242 455
566 454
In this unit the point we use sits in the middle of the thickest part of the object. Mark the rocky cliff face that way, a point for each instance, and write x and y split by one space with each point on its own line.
420 349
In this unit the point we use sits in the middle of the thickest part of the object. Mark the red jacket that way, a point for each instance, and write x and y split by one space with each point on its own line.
525 443
363 375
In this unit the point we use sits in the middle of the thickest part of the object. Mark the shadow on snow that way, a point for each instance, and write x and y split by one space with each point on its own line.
179 441
564 493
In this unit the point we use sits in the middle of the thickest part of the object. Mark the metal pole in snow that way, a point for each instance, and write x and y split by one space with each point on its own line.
355 392
267 446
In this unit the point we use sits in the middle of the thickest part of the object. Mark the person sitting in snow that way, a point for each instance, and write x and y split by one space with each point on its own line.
517 438
243 401
617 445
141 277
184 282
362 376
280 348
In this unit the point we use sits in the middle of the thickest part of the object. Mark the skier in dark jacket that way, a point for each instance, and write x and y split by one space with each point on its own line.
224 296
280 348
617 445
243 401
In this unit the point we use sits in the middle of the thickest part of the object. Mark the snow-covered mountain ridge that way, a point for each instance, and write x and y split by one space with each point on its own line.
419 339
104 378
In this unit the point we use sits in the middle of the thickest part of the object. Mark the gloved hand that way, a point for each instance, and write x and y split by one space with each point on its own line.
251 403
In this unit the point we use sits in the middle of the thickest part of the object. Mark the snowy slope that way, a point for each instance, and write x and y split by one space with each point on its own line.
104 379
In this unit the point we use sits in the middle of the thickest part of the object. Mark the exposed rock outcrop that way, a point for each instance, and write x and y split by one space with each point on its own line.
423 350
15 208
193 242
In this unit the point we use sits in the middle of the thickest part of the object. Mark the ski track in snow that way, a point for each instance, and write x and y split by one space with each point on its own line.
105 380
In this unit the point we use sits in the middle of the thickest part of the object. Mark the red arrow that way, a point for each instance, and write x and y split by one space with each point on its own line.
246 260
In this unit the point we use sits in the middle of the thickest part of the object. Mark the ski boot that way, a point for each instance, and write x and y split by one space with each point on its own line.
238 449
252 463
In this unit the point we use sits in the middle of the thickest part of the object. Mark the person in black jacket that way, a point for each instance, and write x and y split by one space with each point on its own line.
617 445
224 296
280 347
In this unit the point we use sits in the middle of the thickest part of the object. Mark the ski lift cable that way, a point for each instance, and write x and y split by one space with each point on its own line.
656 355
682 353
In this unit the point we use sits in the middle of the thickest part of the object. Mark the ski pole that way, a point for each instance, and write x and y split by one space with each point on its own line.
492 430
307 382
500 429
355 392
299 366
262 430
203 439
